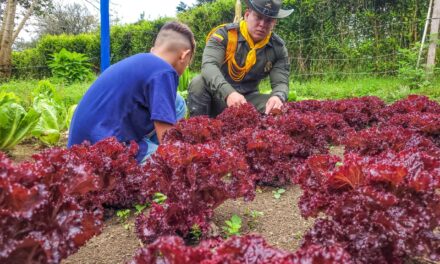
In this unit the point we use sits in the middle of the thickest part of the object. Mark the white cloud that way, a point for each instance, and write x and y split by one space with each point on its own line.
129 11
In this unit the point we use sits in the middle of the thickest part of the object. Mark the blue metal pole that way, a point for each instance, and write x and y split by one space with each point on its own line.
105 34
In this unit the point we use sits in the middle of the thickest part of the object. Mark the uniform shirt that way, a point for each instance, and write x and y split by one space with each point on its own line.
125 101
272 60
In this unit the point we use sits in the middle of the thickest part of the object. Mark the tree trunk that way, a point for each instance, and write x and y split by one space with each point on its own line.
435 21
6 39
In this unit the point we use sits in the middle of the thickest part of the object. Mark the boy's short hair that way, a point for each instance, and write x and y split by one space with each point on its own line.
165 36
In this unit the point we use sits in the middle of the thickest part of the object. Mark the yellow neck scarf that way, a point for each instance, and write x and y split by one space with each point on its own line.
237 72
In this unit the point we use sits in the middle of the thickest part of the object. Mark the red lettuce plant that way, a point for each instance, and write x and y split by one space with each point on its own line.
376 207
426 124
272 156
196 179
316 130
357 112
52 205
375 140
237 118
120 176
245 249
199 129
41 220
412 104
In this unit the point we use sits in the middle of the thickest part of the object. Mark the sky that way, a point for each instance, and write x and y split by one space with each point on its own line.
128 11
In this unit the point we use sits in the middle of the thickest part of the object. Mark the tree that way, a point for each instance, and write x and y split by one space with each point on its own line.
182 7
201 2
68 19
14 15
430 64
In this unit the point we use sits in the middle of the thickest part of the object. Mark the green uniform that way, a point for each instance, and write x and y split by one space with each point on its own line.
208 91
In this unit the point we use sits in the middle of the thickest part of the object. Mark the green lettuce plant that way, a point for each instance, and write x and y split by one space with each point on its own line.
52 120
15 122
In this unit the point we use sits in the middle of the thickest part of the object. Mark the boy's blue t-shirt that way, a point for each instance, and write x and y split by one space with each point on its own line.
125 100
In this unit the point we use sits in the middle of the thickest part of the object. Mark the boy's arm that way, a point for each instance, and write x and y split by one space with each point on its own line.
161 128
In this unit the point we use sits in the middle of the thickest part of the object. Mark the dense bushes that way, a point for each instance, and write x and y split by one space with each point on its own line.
33 63
127 40
329 39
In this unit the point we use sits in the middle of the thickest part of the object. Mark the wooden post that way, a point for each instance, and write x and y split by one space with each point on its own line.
237 16
435 21
424 33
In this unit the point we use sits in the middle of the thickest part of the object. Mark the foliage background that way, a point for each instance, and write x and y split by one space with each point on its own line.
326 39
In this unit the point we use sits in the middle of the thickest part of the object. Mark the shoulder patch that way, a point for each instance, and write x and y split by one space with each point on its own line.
231 26
217 37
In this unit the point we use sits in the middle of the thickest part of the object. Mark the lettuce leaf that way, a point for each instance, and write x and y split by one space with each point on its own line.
15 122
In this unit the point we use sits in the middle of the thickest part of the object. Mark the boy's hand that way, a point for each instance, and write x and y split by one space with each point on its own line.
274 102
235 99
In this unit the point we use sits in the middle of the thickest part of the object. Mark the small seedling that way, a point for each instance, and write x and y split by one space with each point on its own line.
298 235
140 208
159 198
258 190
196 232
232 226
254 215
123 217
338 164
277 194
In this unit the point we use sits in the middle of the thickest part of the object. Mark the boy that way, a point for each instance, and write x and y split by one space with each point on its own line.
136 98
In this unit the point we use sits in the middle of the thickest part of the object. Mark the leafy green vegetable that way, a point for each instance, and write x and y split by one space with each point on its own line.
159 198
15 122
52 120
277 194
69 116
233 226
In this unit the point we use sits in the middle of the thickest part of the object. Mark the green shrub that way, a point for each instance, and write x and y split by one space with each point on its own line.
87 44
414 77
127 40
29 63
70 66
205 17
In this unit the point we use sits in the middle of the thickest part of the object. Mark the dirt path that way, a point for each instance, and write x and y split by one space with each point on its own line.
281 225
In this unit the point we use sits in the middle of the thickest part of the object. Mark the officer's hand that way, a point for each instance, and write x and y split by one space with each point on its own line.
235 99
274 102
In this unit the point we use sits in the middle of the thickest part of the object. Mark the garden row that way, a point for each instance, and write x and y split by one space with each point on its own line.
379 203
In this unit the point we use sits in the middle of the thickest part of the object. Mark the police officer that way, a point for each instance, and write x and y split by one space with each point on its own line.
237 57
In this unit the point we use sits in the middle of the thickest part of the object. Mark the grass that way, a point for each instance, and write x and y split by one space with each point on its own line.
389 89
68 93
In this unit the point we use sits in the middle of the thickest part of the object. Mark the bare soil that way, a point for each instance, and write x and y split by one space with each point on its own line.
281 226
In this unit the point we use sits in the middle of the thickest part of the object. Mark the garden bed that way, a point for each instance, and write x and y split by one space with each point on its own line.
363 196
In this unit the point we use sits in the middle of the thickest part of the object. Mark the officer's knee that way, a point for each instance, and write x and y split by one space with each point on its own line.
199 98
180 107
